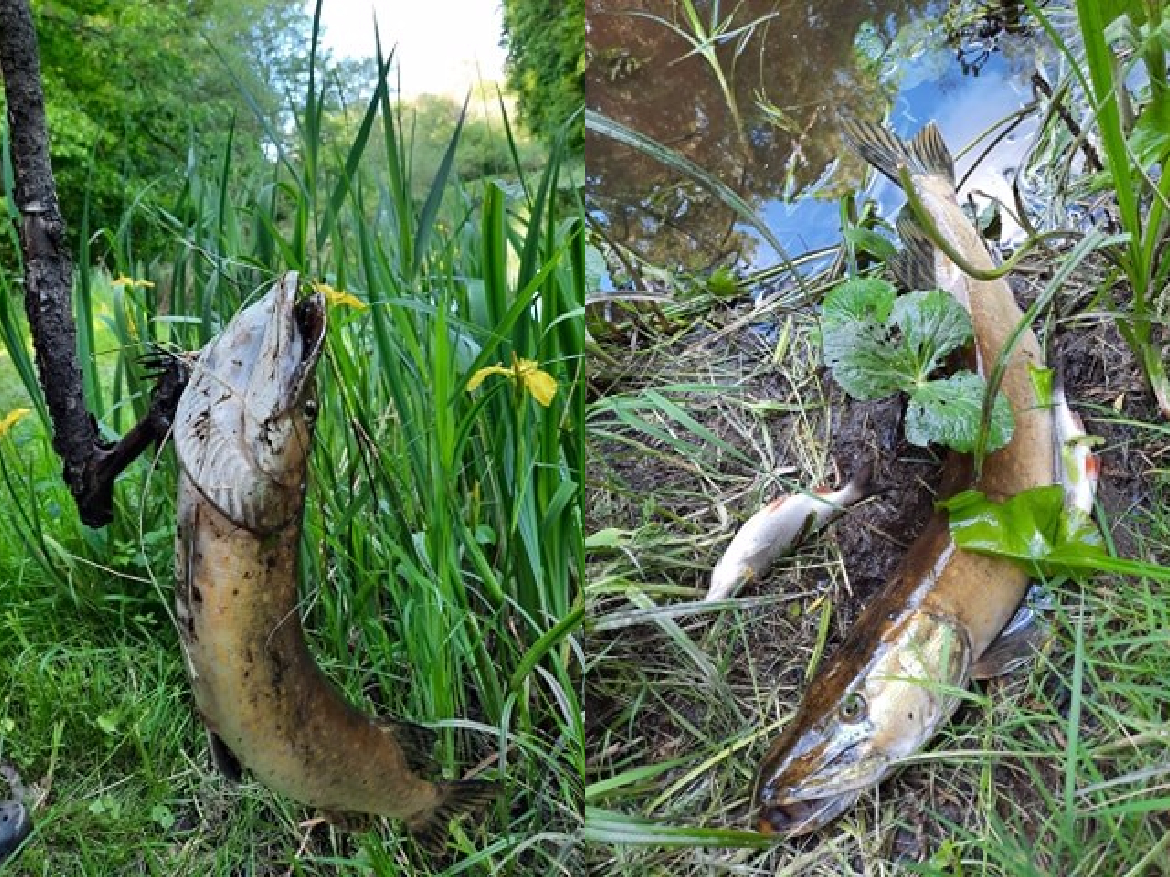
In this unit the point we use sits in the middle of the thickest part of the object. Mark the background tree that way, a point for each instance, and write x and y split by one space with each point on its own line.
132 85
546 61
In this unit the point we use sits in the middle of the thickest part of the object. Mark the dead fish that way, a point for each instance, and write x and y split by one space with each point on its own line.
1078 466
778 528
895 679
15 823
243 433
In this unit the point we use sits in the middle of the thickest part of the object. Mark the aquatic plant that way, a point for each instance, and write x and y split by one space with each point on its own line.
705 38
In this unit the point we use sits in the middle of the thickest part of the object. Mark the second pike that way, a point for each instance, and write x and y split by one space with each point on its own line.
892 682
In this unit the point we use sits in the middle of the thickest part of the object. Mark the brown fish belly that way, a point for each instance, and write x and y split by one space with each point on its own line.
285 721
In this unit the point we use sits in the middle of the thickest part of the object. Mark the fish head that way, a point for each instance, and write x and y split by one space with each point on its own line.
244 424
880 700
280 403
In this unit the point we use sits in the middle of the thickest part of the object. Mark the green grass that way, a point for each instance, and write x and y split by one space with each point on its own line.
1058 769
442 550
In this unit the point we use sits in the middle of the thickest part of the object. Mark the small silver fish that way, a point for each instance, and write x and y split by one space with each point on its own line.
1078 466
778 528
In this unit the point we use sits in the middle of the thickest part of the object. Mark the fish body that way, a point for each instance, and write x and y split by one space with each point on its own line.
777 529
1078 466
896 677
243 433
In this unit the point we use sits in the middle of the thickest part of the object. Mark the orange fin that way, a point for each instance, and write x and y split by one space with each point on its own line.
460 796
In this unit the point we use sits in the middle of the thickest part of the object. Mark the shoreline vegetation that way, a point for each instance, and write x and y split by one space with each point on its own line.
710 399
440 563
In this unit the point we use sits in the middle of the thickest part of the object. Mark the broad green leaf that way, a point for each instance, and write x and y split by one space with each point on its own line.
948 412
933 324
866 239
1030 527
864 362
863 299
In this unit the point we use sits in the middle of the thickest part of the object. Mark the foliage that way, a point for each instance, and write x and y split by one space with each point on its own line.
131 85
1033 526
443 526
1034 529
546 61
878 344
1134 149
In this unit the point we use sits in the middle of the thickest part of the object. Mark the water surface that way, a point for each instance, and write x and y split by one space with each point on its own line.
773 133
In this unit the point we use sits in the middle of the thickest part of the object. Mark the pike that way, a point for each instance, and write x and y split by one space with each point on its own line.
243 433
777 529
896 678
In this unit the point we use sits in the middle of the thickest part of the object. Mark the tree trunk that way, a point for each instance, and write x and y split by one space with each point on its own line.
90 464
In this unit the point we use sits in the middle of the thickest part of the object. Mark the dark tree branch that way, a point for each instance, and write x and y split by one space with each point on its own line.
90 463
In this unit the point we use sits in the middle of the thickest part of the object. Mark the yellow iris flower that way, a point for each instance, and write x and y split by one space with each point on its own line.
132 283
339 297
526 373
10 419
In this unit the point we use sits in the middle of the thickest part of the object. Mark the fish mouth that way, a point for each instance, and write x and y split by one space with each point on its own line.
797 817
309 316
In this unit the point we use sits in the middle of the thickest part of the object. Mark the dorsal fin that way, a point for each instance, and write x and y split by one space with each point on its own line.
914 266
417 743
925 155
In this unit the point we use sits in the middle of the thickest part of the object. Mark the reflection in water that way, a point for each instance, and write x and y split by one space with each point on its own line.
792 75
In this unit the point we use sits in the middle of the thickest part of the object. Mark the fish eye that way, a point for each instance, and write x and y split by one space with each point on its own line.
852 708
311 408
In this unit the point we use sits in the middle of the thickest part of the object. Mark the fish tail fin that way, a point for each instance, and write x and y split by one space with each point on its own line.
460 796
925 154
913 266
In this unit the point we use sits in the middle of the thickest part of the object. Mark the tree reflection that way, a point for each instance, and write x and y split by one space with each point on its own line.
804 64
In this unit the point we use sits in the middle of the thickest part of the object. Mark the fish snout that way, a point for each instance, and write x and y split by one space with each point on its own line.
794 818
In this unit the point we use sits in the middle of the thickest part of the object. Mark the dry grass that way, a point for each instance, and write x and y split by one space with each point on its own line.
1040 773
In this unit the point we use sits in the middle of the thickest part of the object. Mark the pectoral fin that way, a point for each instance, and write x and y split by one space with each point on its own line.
223 758
1016 646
